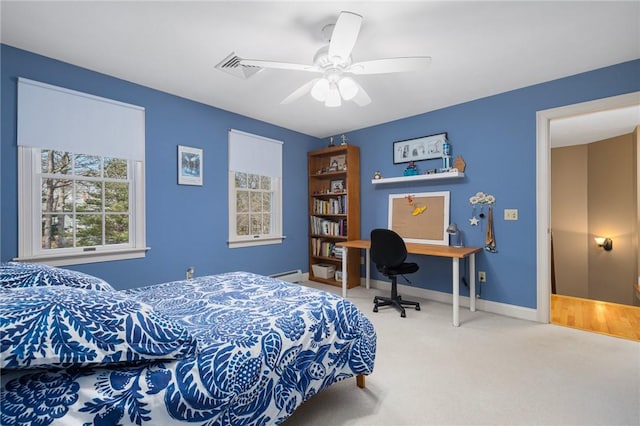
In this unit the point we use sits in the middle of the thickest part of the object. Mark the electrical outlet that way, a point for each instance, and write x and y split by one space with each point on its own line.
362 260
482 276
510 214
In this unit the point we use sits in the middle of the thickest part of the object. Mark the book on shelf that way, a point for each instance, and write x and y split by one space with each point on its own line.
338 252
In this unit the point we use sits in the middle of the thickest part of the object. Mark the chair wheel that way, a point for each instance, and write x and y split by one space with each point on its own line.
403 314
417 307
375 309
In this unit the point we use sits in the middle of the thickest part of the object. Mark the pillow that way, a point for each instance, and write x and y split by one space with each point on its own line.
60 326
16 275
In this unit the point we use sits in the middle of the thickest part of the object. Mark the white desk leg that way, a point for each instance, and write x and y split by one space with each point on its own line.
472 282
344 272
367 271
456 291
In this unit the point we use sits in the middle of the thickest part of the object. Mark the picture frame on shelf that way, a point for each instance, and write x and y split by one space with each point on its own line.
416 149
190 162
337 185
337 163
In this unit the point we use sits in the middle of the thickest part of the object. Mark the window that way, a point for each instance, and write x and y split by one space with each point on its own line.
254 197
255 190
80 200
85 200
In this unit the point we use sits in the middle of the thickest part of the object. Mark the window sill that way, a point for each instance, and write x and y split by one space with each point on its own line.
257 242
91 257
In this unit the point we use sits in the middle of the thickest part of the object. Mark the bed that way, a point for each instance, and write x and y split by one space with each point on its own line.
229 349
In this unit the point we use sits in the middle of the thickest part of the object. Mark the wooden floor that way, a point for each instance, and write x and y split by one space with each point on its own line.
600 317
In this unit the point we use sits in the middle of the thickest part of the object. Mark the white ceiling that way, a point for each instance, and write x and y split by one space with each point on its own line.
478 49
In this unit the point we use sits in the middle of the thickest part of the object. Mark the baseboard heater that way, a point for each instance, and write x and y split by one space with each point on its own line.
294 276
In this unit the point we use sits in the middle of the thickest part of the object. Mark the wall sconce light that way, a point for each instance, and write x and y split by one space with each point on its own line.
605 243
453 230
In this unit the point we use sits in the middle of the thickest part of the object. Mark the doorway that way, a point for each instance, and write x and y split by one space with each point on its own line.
543 186
593 195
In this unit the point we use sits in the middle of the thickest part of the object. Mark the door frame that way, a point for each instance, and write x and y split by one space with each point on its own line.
543 187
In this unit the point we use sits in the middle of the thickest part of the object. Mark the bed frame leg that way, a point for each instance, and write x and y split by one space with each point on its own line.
360 380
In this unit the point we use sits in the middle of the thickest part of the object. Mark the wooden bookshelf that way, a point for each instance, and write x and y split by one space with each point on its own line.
334 209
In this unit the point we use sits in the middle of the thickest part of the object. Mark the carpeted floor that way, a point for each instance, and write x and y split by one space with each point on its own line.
492 370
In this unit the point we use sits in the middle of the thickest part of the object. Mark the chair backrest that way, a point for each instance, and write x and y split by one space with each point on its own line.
387 248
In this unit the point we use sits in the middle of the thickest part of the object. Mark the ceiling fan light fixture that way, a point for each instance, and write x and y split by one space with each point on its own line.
320 90
348 88
333 97
334 60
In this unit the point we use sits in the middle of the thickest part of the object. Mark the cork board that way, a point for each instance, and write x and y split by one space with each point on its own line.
420 218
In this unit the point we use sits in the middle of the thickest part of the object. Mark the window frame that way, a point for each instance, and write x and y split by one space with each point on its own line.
275 236
258 155
30 219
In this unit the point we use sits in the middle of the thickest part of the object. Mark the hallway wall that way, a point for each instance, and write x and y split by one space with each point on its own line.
594 194
569 219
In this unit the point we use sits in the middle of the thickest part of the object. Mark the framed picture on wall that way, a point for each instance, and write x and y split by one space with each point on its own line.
423 148
189 165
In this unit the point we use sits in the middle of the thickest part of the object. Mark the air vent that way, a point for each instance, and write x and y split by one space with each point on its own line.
231 65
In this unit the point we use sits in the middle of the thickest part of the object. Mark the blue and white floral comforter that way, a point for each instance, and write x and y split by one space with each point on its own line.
264 347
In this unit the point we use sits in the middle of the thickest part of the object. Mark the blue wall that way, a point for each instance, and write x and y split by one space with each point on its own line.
497 138
186 225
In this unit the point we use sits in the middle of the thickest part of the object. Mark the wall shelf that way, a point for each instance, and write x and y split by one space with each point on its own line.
414 178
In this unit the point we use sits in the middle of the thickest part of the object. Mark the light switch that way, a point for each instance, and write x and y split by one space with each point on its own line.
510 214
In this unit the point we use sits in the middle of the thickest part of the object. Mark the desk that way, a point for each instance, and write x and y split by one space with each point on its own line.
455 253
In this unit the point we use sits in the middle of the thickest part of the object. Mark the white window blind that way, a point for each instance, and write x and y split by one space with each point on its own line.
67 120
254 154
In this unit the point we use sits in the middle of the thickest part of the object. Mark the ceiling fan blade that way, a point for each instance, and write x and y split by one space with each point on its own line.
361 98
299 92
279 65
344 36
389 65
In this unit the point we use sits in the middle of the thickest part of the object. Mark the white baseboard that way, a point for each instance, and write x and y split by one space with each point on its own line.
294 276
481 305
438 296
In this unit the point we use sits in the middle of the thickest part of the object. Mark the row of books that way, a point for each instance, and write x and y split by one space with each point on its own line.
321 226
320 247
331 206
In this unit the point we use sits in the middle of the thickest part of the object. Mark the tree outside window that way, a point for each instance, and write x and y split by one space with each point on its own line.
84 200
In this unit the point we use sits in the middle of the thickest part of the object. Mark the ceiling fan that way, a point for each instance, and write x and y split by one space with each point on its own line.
334 62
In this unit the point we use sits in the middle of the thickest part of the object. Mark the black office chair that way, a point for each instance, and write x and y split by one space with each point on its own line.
389 253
